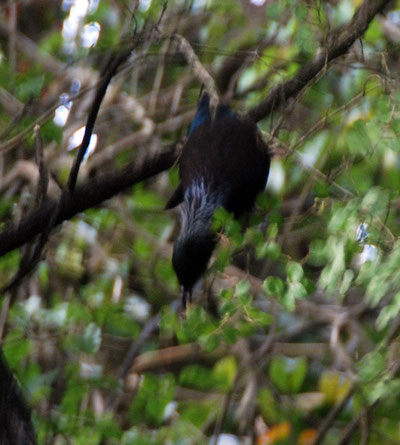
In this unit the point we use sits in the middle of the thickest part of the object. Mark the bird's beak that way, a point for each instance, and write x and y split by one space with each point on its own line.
186 294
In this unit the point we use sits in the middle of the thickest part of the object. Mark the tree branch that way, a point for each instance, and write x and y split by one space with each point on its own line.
27 265
94 192
192 59
87 195
337 47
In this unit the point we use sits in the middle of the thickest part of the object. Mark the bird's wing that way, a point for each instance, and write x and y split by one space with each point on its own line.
176 198
202 114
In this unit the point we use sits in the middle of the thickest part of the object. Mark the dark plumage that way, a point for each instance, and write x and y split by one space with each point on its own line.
223 163
15 416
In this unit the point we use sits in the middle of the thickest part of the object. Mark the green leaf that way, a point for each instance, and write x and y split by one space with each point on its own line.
198 377
230 334
220 218
288 374
86 436
301 12
30 86
294 271
358 139
15 349
51 132
347 279
233 230
259 317
209 342
75 392
270 249
242 288
383 109
91 339
274 10
305 39
198 412
334 386
154 394
293 292
224 372
395 124
274 286
297 290
272 231
387 389
227 294
377 289
375 201
268 406
371 366
389 312
224 258
197 324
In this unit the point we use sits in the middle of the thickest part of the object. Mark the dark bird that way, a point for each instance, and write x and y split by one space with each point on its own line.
224 163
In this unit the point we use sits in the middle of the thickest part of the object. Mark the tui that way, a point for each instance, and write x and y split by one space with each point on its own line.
223 163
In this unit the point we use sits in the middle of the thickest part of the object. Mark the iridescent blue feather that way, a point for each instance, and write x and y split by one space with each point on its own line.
202 114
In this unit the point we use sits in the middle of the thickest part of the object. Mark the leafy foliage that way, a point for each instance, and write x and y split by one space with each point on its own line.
300 307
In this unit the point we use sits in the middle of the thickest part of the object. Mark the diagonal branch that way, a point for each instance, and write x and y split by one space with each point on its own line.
109 73
194 62
338 46
87 195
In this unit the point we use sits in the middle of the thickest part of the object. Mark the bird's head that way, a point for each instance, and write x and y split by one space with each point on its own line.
190 259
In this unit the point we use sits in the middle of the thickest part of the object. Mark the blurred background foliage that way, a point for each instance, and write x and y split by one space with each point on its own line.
299 313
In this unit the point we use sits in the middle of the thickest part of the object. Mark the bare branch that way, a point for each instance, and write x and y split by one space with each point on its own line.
101 91
198 68
12 29
330 418
43 182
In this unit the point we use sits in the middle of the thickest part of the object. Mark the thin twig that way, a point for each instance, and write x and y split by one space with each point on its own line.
330 418
12 30
199 70
91 120
43 182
